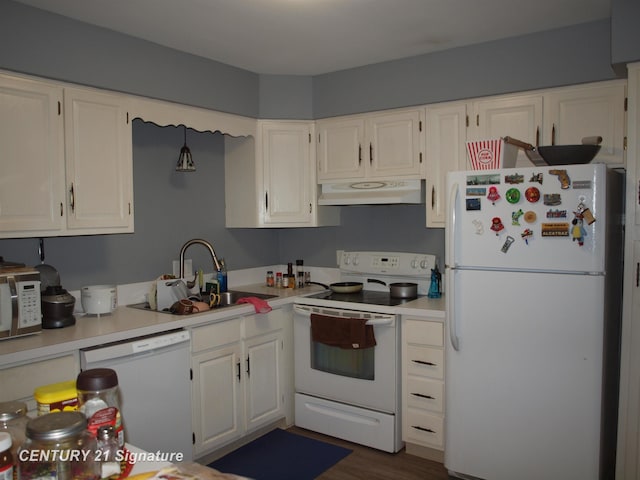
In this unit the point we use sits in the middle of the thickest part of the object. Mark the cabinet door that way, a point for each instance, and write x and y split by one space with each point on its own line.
287 173
263 394
217 393
395 144
445 152
99 162
517 116
577 112
32 167
340 148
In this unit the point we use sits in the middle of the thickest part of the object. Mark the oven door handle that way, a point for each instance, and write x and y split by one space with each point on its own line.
380 322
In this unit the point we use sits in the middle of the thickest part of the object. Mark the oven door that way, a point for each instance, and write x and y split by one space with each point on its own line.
365 377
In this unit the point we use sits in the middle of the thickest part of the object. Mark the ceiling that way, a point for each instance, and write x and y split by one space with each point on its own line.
311 37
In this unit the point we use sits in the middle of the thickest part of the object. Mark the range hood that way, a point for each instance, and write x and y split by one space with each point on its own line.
374 192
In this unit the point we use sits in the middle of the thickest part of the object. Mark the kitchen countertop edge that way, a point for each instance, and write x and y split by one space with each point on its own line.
127 323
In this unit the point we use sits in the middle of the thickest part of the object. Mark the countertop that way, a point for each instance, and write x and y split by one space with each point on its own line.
126 323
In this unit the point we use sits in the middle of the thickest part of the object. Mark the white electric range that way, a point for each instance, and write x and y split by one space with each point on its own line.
343 390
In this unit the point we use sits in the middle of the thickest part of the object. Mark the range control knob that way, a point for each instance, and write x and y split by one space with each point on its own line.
424 264
356 260
346 259
414 263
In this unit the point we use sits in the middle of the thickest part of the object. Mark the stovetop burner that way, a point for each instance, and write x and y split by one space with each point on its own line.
364 297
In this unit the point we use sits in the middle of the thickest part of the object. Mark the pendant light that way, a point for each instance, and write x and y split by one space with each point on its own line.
185 162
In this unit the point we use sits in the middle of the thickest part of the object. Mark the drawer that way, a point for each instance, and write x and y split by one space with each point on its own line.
425 394
424 361
215 334
424 428
424 332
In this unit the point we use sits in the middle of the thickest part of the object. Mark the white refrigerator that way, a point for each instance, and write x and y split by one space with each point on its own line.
533 275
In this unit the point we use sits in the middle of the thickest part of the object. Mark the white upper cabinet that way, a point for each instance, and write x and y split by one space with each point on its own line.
445 152
384 145
99 164
32 198
517 116
573 113
66 164
339 151
271 182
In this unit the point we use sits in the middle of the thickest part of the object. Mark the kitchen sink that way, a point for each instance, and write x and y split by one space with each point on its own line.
227 299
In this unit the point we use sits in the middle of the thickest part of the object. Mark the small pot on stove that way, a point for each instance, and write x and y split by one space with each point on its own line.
57 307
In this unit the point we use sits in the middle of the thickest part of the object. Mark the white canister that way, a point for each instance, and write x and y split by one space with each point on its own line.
98 299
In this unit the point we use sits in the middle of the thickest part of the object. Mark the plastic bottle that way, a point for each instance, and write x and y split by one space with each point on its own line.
222 276
98 400
6 457
299 273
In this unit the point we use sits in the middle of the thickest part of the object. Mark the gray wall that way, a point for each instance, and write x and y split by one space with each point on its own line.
171 207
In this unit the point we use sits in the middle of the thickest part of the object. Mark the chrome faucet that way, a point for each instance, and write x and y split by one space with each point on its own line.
205 244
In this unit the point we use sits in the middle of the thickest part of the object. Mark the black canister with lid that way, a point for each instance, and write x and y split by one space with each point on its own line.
59 446
99 400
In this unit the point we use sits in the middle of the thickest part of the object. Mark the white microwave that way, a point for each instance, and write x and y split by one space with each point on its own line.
20 307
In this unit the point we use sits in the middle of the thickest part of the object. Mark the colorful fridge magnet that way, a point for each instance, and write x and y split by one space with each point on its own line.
532 194
557 213
513 195
551 199
515 217
577 230
493 195
530 216
526 235
496 225
507 244
584 211
555 229
536 177
479 226
513 179
473 204
562 175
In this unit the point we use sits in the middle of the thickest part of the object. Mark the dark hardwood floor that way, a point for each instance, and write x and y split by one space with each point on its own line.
370 464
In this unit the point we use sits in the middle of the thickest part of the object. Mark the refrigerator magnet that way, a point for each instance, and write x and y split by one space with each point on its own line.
530 216
513 195
526 235
473 204
507 244
555 229
515 217
532 194
513 179
536 177
493 195
496 225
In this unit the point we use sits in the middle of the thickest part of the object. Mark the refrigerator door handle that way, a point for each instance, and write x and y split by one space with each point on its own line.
450 232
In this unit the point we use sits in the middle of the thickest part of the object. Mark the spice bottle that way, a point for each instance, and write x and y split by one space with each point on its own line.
300 273
58 446
279 280
13 420
270 279
108 451
98 400
6 457
222 276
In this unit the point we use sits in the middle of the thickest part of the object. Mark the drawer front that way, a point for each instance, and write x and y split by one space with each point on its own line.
215 335
426 394
424 332
425 362
424 429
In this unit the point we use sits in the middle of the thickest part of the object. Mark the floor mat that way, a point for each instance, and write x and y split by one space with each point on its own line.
280 455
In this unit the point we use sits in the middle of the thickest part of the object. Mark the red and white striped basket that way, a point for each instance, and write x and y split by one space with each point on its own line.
491 154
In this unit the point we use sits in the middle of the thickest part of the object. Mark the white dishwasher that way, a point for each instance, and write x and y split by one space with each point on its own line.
154 380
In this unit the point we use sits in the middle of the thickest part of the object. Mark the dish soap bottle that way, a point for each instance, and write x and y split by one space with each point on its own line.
436 279
222 276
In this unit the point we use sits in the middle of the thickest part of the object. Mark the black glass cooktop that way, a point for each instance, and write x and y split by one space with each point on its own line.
364 296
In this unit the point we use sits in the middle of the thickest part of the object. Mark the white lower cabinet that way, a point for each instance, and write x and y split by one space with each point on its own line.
238 380
423 386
